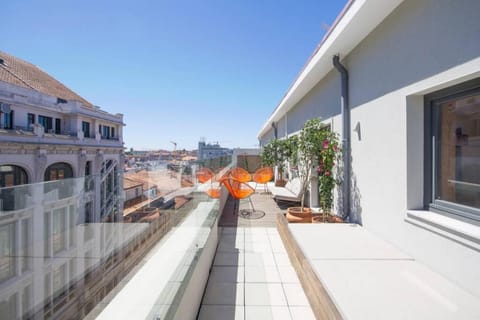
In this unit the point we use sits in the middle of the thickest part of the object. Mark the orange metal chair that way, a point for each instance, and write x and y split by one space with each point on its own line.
240 174
262 176
204 175
214 191
240 190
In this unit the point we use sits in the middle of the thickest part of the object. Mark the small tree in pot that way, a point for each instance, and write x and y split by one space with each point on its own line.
317 149
276 153
309 142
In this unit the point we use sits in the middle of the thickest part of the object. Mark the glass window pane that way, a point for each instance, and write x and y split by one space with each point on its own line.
58 230
26 244
7 245
458 157
59 281
47 235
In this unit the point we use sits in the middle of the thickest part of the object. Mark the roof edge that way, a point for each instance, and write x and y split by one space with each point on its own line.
356 20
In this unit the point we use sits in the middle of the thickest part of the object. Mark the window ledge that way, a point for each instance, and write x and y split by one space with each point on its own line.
459 231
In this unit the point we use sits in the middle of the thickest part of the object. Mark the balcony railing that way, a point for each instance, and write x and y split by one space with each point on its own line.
61 258
20 134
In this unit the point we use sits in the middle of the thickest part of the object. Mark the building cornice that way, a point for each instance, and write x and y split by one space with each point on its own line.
20 96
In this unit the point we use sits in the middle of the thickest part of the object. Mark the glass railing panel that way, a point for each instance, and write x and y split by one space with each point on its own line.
70 248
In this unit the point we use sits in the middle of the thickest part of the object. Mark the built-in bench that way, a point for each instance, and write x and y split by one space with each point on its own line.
349 273
291 192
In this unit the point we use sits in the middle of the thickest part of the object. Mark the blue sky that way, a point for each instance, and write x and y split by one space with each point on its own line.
177 70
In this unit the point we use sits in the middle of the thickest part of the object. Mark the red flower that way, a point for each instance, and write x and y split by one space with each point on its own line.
325 144
327 173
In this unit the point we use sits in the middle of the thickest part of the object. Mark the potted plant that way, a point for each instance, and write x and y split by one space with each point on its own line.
317 149
328 156
308 143
276 153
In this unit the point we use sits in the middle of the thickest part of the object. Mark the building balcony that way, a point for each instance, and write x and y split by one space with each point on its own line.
20 134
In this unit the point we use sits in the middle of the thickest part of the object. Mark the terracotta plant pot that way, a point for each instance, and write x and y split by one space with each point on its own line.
280 183
296 214
334 219
329 218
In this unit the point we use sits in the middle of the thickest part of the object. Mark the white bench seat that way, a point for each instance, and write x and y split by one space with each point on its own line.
291 192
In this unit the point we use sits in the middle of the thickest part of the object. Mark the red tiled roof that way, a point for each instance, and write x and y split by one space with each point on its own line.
128 183
142 177
24 74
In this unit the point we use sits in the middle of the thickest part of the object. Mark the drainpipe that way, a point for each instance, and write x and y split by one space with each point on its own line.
275 133
345 136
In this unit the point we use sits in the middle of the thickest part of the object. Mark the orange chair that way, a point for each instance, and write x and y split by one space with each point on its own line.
262 176
239 190
204 175
214 191
216 184
240 174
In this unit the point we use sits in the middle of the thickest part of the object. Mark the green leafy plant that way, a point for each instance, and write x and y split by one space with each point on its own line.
317 148
309 143
278 152
328 157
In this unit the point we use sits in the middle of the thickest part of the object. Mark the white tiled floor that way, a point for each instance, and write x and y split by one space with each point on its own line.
252 278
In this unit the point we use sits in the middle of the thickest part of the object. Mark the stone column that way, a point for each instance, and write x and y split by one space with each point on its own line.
97 169
82 161
40 164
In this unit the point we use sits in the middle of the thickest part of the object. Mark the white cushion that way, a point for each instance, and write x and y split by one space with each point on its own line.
291 191
295 186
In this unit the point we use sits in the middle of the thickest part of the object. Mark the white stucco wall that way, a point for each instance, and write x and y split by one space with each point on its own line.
422 47
267 137
412 53
133 193
321 102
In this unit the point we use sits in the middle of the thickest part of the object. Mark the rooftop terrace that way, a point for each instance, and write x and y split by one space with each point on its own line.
205 260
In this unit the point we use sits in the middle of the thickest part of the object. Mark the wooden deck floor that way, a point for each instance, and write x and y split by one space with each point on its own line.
265 214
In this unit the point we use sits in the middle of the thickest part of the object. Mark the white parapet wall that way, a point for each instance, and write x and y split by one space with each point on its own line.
173 276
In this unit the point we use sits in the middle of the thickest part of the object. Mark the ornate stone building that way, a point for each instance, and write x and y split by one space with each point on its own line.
48 132
61 176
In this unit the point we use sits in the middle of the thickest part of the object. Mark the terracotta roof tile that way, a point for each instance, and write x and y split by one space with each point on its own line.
24 74
148 179
128 183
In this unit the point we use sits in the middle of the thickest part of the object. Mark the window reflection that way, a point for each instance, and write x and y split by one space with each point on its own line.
458 157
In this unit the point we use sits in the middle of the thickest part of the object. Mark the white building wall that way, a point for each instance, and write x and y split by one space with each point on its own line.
321 102
21 117
133 193
422 47
266 137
